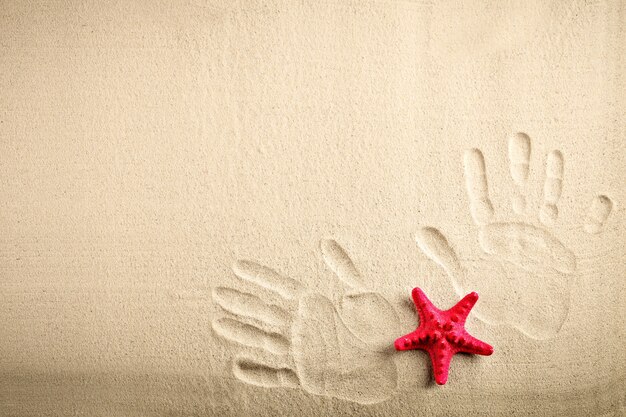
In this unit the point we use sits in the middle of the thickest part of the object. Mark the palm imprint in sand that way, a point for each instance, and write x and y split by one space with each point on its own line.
523 272
336 345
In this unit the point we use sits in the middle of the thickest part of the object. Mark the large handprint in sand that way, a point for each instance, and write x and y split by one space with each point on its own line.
336 345
522 271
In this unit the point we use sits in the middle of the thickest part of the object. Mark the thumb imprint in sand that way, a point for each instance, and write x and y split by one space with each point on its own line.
525 274
331 346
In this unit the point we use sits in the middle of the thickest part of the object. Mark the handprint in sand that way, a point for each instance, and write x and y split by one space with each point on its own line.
334 345
523 272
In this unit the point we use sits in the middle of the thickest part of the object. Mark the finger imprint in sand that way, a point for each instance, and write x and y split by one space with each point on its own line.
477 188
254 372
248 305
552 188
598 213
267 278
251 336
519 162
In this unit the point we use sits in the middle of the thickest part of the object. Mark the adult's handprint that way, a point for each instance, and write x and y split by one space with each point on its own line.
333 346
524 275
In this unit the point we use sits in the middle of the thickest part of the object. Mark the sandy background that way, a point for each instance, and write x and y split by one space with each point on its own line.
220 208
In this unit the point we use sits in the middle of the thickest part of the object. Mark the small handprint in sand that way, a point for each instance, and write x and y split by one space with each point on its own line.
335 345
523 273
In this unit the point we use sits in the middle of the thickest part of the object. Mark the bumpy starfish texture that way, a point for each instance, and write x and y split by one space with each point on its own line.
442 333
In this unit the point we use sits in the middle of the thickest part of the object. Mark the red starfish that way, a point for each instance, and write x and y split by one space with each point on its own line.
442 333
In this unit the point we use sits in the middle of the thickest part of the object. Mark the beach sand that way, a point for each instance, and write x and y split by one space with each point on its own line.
221 207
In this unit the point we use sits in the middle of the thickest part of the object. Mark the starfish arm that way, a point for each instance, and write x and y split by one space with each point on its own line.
461 310
413 340
424 306
441 359
470 344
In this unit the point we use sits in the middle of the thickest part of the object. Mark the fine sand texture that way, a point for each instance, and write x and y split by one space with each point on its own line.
220 208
